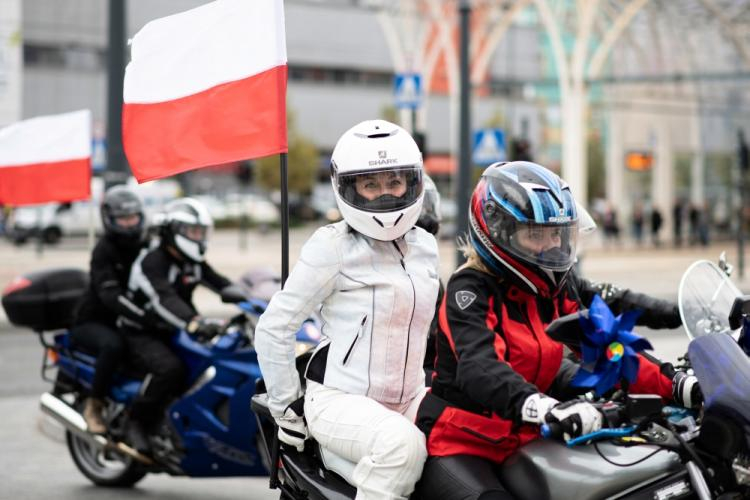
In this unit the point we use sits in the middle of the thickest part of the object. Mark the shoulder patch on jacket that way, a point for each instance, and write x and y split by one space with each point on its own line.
464 298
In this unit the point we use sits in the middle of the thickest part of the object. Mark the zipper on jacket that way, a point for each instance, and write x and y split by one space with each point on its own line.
356 338
411 319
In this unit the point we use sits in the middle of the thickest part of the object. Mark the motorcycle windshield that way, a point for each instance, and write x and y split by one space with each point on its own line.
706 297
723 372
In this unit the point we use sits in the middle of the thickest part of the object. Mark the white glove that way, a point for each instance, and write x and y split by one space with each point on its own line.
536 407
576 417
292 426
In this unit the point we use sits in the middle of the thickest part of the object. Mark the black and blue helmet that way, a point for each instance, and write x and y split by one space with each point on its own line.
523 218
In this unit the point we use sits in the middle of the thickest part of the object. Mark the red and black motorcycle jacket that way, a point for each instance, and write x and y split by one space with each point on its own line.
493 352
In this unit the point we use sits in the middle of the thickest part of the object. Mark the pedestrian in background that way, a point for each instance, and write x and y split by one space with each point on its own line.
637 222
704 219
611 225
678 211
693 220
656 222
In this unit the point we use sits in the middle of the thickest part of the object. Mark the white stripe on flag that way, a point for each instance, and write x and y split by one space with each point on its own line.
46 139
183 54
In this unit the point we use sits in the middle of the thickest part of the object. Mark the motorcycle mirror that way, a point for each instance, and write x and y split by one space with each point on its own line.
740 308
232 294
724 265
567 329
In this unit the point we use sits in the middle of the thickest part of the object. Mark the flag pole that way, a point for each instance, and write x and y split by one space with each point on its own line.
284 218
274 481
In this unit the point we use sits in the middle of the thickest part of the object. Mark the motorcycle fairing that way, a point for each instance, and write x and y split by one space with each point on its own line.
705 297
723 371
213 419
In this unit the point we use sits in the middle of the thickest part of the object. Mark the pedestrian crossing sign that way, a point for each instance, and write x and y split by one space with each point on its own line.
489 146
407 89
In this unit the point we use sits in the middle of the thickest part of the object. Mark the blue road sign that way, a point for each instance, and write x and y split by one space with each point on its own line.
489 146
98 154
407 90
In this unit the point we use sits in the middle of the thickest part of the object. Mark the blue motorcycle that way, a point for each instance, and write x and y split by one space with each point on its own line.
209 431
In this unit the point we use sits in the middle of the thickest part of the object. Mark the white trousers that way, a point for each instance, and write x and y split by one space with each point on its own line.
388 450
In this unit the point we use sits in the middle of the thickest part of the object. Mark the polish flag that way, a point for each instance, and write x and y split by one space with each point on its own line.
46 159
206 87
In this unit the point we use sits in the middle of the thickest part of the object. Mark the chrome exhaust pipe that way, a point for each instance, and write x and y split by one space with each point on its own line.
74 422
69 418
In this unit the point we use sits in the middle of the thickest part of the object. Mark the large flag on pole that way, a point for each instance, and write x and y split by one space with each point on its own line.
206 86
46 159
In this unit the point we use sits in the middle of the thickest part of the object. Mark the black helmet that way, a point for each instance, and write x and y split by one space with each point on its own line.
429 217
120 201
186 228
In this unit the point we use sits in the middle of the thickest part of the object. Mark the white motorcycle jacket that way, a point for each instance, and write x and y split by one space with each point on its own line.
376 300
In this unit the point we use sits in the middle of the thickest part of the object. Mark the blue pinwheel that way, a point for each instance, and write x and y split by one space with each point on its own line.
609 348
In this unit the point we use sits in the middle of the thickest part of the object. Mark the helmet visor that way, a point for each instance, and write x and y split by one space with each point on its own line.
548 246
385 190
198 233
130 222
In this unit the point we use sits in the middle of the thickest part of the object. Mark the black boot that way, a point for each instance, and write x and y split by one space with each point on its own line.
137 437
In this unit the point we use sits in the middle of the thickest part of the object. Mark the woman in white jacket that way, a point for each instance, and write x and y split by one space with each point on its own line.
374 277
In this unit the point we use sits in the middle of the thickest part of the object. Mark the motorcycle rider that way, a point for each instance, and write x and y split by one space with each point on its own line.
429 220
95 330
375 275
430 216
161 285
498 375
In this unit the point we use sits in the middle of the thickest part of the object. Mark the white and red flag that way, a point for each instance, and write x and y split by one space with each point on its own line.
205 87
46 159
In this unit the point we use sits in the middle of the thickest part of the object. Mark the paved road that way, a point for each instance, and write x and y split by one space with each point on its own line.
33 459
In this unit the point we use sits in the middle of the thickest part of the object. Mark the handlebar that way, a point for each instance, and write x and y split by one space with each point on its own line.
551 430
619 419
555 431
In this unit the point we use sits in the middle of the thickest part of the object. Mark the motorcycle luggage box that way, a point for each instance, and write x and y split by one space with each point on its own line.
45 300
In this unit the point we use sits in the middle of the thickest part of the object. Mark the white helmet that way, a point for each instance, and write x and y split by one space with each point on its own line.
186 227
376 171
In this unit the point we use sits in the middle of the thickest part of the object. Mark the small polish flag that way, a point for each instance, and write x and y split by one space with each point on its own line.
46 159
206 87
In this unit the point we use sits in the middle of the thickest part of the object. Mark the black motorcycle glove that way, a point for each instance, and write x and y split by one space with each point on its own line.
204 329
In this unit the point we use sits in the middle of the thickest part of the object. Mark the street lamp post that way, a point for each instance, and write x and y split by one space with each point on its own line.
743 161
117 169
464 162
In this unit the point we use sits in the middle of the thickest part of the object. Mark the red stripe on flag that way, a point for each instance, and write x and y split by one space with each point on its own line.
232 121
34 183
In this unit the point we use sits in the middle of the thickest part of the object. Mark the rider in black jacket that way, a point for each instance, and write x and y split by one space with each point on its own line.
429 220
95 330
161 284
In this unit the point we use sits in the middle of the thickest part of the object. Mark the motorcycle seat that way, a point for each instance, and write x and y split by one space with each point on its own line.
88 357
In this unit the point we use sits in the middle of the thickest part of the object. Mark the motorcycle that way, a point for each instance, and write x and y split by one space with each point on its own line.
646 450
208 431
